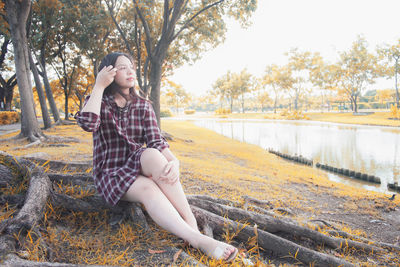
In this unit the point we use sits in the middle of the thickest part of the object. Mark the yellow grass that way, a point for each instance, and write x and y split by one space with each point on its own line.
210 164
74 151
377 118
235 168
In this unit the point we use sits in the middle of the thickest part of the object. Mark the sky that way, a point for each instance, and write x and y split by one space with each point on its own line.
324 26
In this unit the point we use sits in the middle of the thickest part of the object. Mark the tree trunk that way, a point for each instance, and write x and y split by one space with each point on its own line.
2 93
40 92
155 84
351 104
17 14
395 79
66 107
49 92
242 103
9 92
355 104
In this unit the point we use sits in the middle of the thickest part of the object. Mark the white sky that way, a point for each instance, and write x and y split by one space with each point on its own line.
325 26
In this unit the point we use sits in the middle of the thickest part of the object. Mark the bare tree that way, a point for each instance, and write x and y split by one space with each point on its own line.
17 15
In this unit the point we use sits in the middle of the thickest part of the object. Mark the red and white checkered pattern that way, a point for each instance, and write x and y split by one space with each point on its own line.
119 136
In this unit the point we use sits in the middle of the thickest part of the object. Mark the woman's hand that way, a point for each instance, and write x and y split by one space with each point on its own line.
105 77
170 175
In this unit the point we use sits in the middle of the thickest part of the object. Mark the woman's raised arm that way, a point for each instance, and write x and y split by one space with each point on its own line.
104 78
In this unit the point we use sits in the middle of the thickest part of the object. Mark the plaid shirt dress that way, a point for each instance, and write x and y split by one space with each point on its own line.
119 135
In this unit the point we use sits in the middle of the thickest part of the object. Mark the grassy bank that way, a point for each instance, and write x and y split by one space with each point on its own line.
240 168
377 118
214 165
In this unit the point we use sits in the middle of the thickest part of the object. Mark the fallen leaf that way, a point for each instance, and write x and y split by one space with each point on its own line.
152 251
176 256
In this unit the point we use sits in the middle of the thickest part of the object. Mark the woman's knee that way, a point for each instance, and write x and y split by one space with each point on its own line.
152 162
142 189
150 154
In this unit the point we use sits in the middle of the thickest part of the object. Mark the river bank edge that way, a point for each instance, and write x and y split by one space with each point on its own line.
375 118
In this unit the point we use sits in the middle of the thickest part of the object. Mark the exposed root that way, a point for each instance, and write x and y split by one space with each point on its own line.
270 242
274 233
32 210
280 225
251 200
35 143
59 139
67 122
366 240
59 166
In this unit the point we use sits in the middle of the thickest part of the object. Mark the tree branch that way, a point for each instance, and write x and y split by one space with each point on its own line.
193 17
166 17
111 12
146 30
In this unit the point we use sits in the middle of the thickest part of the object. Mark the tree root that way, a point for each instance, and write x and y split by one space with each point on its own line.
35 143
268 241
60 166
40 140
250 200
280 225
272 231
30 213
366 240
59 139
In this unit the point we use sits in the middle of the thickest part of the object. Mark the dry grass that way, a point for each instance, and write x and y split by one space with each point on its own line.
81 151
210 164
378 118
8 117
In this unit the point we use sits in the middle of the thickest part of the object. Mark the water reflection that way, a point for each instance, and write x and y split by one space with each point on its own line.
367 149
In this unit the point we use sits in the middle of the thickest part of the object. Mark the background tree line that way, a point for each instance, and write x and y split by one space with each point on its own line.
309 81
62 41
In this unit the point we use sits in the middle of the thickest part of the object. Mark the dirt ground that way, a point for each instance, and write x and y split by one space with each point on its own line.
214 165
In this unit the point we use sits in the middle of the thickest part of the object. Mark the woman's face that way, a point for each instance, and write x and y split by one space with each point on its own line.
126 73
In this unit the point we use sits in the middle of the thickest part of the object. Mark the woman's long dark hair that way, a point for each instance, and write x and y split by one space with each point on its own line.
110 59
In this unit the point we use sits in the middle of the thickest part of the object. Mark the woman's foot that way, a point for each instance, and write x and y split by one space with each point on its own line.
218 250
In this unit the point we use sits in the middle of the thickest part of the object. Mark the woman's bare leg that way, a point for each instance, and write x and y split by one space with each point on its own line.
160 209
153 163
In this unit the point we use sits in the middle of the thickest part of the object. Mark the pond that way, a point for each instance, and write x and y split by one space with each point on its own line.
372 150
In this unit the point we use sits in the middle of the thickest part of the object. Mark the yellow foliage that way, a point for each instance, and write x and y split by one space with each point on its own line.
165 113
284 113
295 115
190 111
222 111
8 117
377 118
394 112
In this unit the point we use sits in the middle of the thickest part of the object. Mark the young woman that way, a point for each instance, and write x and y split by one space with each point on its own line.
123 168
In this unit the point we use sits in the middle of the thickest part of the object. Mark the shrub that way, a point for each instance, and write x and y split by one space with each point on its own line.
8 117
297 115
190 111
284 113
364 106
394 112
222 111
165 113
